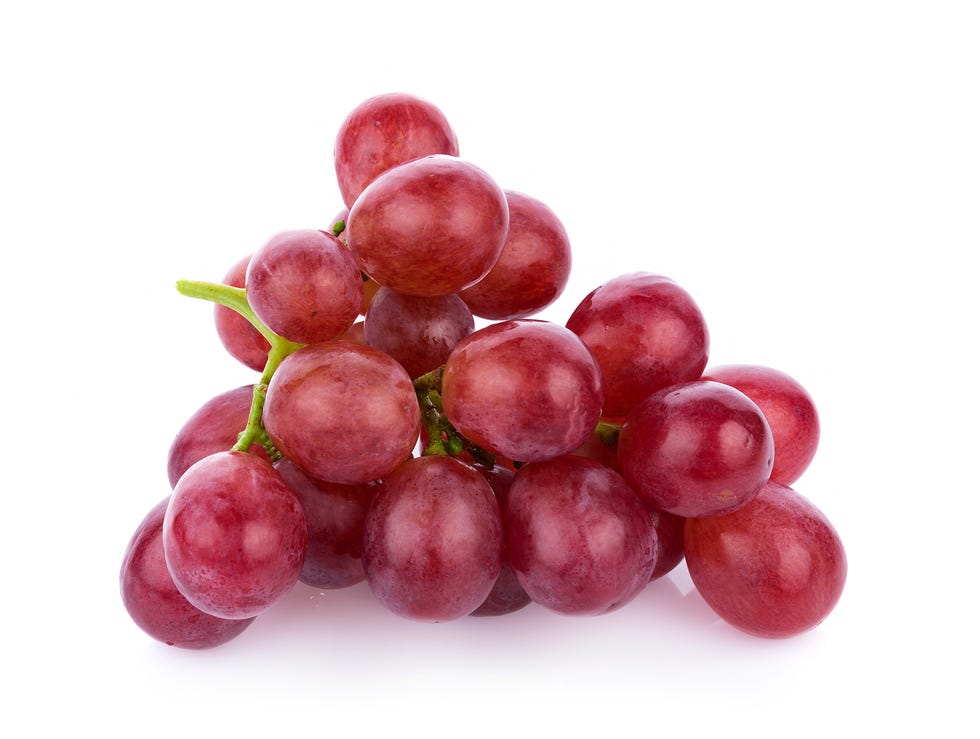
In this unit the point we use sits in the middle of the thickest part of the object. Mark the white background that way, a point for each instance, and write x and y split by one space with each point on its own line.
809 172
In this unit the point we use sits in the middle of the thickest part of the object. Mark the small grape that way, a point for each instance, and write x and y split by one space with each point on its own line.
789 409
385 131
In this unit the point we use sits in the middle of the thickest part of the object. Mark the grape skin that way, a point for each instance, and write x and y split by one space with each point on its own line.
335 516
788 407
579 539
385 131
433 226
533 268
507 595
525 389
152 600
433 540
646 333
234 535
774 568
696 449
418 332
239 337
343 412
214 427
305 286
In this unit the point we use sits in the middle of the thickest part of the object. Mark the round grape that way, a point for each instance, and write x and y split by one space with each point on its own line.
774 568
234 535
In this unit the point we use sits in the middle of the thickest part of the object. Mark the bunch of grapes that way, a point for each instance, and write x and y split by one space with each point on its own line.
466 471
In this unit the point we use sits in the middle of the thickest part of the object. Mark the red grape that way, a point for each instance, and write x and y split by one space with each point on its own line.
418 332
697 449
239 337
525 389
305 286
429 227
214 427
334 527
646 332
385 131
234 535
153 601
533 267
343 412
507 594
774 568
433 540
579 539
670 537
789 409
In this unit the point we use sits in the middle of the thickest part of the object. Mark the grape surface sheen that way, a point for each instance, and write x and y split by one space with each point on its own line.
433 540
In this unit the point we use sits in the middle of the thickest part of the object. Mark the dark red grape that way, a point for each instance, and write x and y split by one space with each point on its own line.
789 409
239 337
153 601
214 427
385 131
433 540
525 389
334 527
343 412
507 594
646 332
670 537
418 332
580 540
697 449
234 535
429 227
533 267
305 286
774 568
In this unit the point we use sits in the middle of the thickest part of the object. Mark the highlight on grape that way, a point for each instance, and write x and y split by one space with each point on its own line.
466 471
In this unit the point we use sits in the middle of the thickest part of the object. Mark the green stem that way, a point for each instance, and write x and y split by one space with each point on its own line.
234 298
608 432
443 438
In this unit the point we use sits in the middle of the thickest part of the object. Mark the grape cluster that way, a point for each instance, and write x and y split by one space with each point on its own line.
464 470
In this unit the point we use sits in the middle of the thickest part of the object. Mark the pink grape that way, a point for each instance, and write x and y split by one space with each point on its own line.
788 407
153 601
334 527
239 337
433 540
533 268
579 539
418 332
343 412
305 286
525 389
385 131
646 332
774 568
697 449
214 427
433 226
234 535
